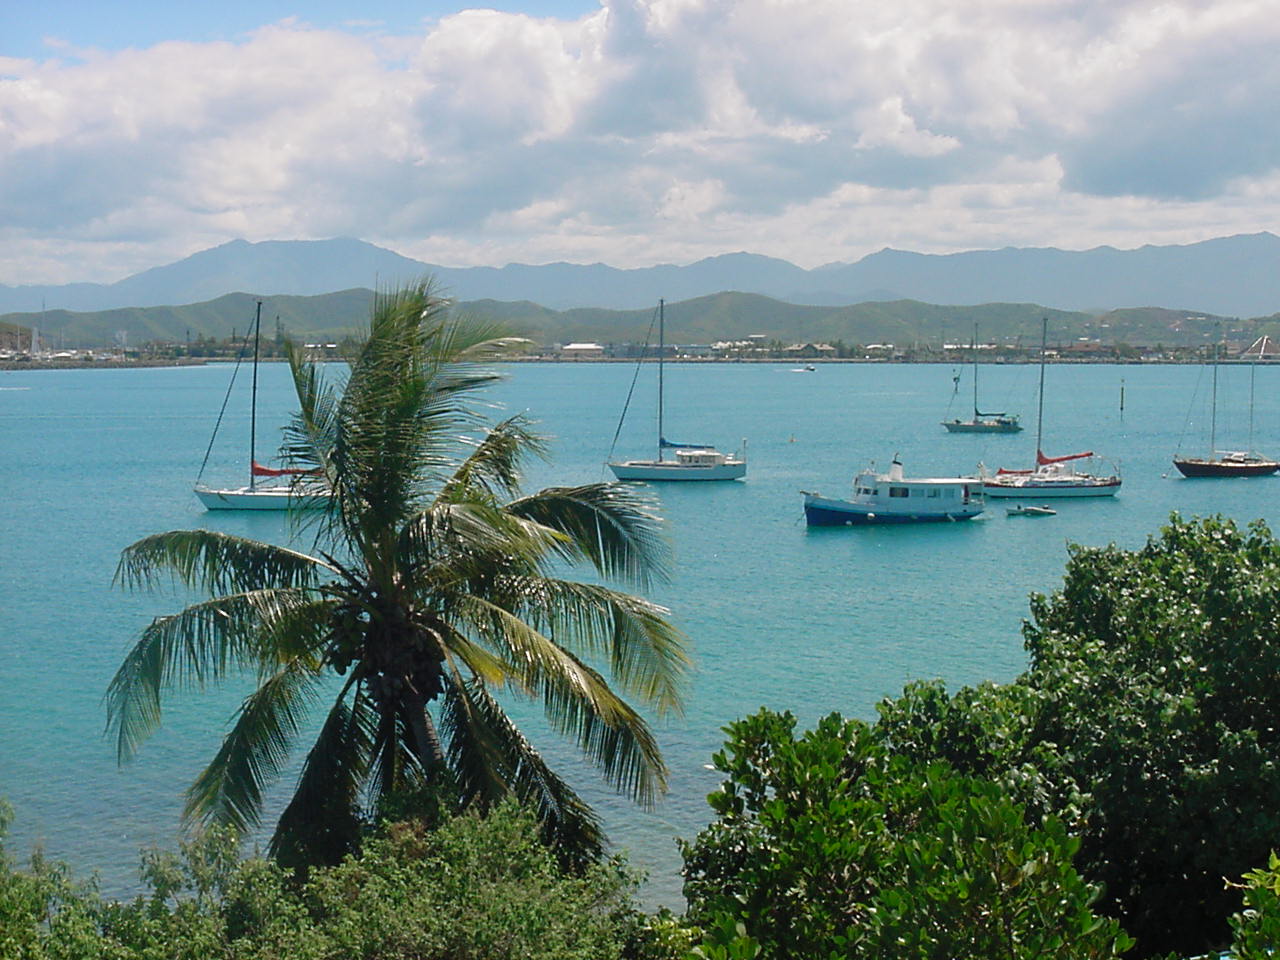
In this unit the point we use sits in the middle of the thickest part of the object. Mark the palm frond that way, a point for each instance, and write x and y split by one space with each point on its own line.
577 701
611 525
407 399
490 758
495 464
229 790
197 646
311 434
452 543
321 822
214 562
646 654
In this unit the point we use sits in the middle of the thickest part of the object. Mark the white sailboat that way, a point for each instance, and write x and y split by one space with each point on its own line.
1051 476
692 461
268 488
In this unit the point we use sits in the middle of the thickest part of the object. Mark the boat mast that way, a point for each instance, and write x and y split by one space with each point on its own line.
973 351
1044 341
253 403
1253 370
1213 408
662 349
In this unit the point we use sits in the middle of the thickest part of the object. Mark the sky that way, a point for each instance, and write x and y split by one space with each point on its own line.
630 132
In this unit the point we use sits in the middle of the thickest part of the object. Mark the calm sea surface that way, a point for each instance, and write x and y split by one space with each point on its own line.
778 615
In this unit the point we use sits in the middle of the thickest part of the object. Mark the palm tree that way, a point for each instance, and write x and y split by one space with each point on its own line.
431 587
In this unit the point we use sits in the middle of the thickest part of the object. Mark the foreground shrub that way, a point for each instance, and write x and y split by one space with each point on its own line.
827 846
1256 929
1147 721
475 889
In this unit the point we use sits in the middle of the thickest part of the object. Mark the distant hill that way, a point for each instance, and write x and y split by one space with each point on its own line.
722 316
1230 276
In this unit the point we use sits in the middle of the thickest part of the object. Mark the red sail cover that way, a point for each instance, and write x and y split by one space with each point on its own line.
260 471
1043 460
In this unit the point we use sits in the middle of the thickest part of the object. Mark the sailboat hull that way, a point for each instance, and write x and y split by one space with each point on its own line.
1206 467
664 470
258 498
982 426
1032 487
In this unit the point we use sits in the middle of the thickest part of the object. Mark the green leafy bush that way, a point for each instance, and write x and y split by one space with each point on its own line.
1256 929
829 846
478 888
1147 721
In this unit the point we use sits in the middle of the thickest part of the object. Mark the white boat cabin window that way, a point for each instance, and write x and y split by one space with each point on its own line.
935 492
899 492
867 491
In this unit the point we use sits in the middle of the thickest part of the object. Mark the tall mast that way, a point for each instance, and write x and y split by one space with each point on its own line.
973 350
1253 369
253 403
662 349
1044 341
1213 408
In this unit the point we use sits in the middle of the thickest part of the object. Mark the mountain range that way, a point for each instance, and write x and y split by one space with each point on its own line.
1228 276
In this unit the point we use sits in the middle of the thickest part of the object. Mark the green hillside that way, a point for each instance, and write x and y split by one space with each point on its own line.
723 316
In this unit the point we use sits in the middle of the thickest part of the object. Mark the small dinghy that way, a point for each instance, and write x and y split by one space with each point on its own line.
1021 510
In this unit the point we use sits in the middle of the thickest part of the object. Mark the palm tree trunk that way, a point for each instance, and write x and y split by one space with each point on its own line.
426 741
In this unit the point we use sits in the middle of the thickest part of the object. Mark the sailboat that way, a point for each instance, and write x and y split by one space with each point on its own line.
982 422
693 461
269 492
1226 463
1051 476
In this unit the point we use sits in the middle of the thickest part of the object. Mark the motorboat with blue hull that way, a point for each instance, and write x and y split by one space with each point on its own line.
894 498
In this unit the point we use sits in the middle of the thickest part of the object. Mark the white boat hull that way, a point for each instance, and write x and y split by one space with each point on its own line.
258 498
1031 489
664 470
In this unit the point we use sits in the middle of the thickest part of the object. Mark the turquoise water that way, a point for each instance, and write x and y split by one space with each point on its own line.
778 615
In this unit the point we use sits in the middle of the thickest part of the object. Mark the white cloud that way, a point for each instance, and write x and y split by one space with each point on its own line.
652 131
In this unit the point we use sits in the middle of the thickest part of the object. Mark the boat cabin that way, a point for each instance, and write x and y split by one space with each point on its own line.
699 458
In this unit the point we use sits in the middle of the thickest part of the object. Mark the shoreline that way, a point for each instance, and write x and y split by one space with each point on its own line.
11 365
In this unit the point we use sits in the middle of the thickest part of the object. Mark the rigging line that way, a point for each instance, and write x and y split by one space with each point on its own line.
955 381
648 337
1191 406
235 370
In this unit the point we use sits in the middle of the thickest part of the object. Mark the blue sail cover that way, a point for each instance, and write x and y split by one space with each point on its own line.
665 443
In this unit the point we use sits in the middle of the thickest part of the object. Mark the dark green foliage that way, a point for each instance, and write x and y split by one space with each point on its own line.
476 889
1157 671
828 846
1147 721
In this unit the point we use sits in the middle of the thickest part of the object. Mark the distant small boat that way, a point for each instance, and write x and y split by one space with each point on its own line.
1022 510
892 498
981 422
